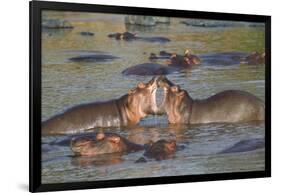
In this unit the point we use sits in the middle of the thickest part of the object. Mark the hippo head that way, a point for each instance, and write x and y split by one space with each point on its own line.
161 149
101 144
173 58
142 99
175 101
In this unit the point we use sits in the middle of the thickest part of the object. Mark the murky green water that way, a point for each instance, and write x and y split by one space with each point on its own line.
66 83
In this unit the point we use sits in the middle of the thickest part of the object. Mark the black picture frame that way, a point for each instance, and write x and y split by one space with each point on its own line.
36 8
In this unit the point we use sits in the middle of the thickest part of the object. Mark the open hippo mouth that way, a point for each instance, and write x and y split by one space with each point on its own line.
160 96
153 90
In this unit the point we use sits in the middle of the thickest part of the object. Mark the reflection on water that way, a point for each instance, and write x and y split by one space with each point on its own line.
66 83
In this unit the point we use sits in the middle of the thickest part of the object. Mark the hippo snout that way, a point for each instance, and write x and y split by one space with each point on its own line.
163 82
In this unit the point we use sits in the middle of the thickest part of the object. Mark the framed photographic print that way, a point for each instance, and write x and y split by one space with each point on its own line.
124 96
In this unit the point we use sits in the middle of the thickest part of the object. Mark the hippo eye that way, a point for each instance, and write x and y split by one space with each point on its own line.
131 91
175 88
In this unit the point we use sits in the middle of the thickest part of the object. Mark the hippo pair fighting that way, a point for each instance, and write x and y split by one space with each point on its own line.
105 143
227 106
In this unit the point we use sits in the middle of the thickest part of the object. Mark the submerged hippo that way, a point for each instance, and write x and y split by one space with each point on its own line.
86 33
226 106
181 61
161 149
106 143
93 58
123 36
246 145
162 55
186 61
127 36
126 110
255 58
149 69
103 143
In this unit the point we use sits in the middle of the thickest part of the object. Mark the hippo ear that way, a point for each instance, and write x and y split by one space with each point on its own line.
175 88
114 139
131 91
187 52
141 85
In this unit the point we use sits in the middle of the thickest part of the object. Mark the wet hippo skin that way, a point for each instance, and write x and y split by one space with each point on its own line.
254 58
161 149
103 143
93 58
127 36
226 106
182 61
245 145
127 110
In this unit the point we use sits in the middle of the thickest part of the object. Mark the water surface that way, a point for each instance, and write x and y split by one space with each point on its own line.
66 83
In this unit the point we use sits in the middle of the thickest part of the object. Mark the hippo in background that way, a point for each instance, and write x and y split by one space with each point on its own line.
254 58
93 58
123 36
145 20
129 109
228 106
56 24
175 63
162 55
181 61
127 36
186 61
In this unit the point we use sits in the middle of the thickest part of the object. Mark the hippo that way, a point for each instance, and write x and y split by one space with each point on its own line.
93 58
180 61
108 143
254 58
103 143
123 36
127 36
162 55
86 33
245 145
56 24
228 106
161 149
129 109
186 61
149 69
